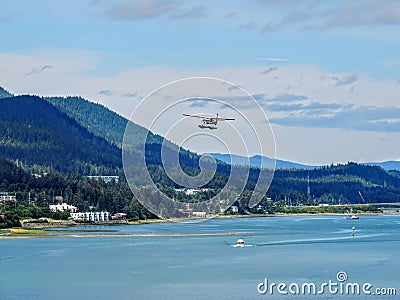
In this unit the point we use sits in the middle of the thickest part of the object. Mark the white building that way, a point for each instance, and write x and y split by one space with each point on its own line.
234 209
91 216
7 197
63 207
199 214
106 178
189 191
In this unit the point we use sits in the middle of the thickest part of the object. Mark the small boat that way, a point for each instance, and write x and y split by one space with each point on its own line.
240 243
351 216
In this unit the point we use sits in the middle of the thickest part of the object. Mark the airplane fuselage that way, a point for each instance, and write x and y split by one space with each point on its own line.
202 126
210 123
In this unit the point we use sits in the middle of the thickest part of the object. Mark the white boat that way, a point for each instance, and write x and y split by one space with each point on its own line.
351 216
240 243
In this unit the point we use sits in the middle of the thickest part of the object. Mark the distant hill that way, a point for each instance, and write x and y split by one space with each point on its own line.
386 165
330 184
4 93
394 173
262 161
258 161
36 132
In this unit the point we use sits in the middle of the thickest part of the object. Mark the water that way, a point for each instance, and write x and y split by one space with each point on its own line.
135 263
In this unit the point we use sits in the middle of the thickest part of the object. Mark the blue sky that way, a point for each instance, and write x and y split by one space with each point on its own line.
327 73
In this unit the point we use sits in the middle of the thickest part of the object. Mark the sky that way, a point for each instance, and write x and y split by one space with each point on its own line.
326 73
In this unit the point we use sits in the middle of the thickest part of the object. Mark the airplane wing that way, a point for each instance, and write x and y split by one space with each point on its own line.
225 119
195 116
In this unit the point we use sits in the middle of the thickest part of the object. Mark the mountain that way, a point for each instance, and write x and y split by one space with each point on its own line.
109 125
101 121
36 132
4 93
386 165
73 135
258 161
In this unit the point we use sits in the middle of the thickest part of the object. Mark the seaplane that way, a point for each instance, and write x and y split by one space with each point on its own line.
209 122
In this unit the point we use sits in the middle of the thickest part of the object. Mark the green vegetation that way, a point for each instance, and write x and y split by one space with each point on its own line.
343 209
101 121
9 218
25 232
339 184
35 214
35 132
394 173
50 145
75 190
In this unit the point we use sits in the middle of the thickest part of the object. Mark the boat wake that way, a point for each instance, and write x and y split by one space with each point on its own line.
319 240
242 246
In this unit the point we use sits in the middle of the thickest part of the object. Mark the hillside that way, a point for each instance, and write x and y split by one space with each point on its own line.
11 174
387 165
107 124
73 135
258 161
76 190
4 93
101 121
332 184
35 132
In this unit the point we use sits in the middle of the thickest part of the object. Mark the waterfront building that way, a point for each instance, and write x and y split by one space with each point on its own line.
91 216
63 207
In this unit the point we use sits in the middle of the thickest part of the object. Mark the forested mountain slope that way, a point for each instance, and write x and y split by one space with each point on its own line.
35 132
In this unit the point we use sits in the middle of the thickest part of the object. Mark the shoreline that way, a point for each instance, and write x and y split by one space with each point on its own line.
69 223
40 230
16 233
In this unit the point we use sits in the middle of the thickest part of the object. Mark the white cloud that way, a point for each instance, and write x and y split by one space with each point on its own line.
267 71
105 92
351 13
36 70
141 9
272 59
191 13
345 80
305 15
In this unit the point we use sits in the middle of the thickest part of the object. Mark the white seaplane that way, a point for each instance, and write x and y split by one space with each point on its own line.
209 122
